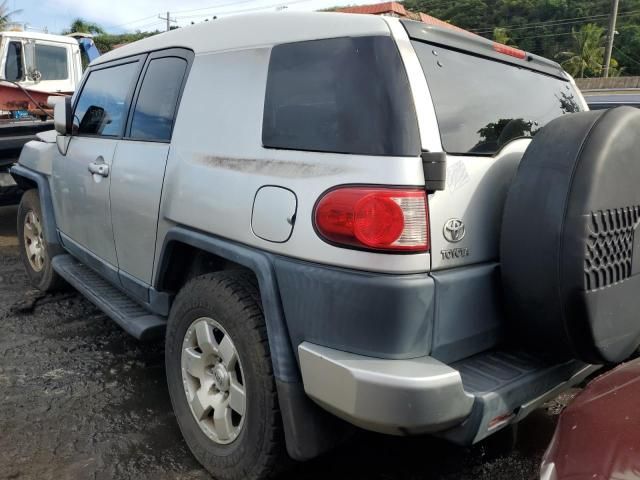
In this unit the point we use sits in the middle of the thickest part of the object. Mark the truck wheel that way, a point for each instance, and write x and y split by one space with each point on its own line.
33 246
220 377
570 246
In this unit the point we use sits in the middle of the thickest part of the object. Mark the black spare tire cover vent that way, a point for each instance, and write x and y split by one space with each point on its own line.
570 242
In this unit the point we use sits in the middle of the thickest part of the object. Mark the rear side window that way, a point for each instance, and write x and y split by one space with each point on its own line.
51 62
483 104
13 69
102 106
158 99
343 95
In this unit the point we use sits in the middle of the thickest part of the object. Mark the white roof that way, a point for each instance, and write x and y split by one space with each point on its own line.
40 36
254 30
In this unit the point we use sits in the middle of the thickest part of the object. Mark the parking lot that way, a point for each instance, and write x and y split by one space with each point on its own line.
80 399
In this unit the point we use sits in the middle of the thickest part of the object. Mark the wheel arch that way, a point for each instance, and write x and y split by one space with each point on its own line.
309 430
28 179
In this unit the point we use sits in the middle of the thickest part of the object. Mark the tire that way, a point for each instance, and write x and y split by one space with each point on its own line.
570 250
230 299
40 272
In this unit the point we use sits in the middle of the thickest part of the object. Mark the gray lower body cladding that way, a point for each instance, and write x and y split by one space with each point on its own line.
449 315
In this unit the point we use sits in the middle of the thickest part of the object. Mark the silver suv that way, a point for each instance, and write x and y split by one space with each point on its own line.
337 222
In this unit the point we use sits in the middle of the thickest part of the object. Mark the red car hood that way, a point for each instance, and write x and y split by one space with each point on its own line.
598 434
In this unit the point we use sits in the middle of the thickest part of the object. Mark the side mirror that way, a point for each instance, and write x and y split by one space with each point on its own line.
62 114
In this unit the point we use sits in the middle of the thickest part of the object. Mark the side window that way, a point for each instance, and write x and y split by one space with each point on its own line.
102 106
13 69
342 95
158 99
51 62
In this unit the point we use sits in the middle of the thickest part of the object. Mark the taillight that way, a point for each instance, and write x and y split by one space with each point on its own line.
374 218
511 51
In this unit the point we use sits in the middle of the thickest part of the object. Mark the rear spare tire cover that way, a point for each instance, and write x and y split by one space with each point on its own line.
569 241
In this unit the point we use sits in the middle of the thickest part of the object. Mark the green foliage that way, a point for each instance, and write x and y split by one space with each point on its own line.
6 14
82 26
501 35
587 57
107 42
544 27
103 40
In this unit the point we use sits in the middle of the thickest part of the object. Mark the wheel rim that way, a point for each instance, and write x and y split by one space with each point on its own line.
34 241
213 380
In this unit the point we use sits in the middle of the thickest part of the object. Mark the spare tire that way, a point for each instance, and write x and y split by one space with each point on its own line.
570 256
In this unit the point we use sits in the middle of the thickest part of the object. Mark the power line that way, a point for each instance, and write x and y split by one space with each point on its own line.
624 54
169 20
559 21
214 6
245 10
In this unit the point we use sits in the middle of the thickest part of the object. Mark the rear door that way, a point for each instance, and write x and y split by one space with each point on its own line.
82 177
139 165
487 110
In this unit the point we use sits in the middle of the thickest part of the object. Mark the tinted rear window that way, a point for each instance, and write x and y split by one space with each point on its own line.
344 95
482 104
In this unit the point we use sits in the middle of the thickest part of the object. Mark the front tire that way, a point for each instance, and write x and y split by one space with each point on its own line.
220 377
34 250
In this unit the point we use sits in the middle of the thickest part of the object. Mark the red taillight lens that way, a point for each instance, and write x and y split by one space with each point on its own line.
374 218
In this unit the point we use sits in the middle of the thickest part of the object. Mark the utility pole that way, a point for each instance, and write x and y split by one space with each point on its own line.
612 33
168 19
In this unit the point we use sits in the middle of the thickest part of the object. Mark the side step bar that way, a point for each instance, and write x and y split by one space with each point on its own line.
127 313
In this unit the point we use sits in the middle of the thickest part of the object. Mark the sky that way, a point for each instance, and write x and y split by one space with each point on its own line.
118 16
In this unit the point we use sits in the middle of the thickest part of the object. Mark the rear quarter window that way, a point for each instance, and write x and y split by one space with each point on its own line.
343 95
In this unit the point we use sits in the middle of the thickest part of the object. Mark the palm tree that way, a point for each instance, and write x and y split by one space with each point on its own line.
80 25
587 58
6 14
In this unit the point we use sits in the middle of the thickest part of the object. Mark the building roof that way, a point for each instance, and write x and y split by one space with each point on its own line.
397 9
255 30
376 9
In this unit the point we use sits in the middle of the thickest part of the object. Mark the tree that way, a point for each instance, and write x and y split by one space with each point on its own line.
587 58
6 14
80 25
501 35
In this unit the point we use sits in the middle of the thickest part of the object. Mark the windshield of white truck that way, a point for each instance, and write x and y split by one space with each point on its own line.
482 104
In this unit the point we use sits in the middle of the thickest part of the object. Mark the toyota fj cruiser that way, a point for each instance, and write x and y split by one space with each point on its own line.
340 220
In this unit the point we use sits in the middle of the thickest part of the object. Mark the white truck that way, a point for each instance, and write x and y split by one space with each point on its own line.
34 66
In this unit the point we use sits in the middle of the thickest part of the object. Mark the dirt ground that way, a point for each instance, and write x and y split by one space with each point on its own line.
80 399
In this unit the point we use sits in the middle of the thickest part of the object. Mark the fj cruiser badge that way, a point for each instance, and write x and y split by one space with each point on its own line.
454 230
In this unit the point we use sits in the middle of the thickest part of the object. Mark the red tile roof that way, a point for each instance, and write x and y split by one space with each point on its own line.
398 9
377 9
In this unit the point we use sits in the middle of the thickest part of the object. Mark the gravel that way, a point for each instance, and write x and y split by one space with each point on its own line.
80 399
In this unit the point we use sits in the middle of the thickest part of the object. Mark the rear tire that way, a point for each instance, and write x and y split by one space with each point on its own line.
34 250
226 307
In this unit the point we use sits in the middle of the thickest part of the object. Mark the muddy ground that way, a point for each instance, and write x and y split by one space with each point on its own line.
80 399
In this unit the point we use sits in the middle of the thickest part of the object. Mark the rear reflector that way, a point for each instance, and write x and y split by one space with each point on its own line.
374 218
507 50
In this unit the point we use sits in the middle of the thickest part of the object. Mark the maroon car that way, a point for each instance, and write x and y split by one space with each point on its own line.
598 434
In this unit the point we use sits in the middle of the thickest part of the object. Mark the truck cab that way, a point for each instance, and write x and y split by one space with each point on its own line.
40 61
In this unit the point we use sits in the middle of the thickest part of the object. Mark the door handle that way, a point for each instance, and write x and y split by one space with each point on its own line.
99 167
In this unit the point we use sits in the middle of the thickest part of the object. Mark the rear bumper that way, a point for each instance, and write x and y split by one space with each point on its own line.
401 397
464 403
